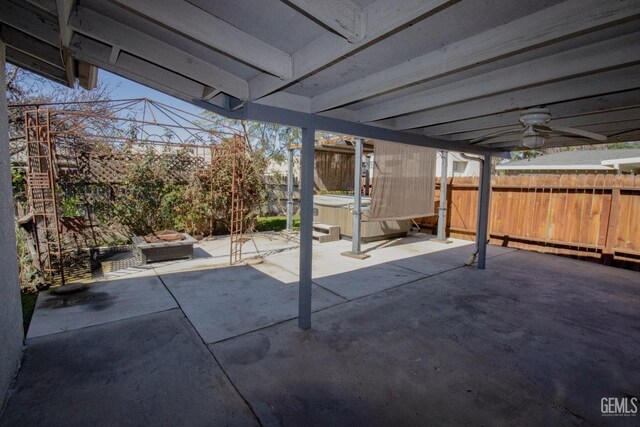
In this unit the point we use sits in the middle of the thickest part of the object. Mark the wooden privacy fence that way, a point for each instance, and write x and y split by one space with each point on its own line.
585 215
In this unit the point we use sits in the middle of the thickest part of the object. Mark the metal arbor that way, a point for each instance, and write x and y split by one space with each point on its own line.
63 140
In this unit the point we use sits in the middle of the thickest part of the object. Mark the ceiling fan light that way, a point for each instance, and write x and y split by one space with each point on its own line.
532 139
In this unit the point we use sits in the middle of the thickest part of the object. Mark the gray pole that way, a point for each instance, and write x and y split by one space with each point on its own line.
367 179
442 211
357 198
483 212
290 190
306 227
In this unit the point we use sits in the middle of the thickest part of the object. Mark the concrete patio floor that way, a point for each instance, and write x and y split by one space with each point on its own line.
409 336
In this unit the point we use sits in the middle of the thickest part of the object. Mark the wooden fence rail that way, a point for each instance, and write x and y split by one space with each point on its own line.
585 215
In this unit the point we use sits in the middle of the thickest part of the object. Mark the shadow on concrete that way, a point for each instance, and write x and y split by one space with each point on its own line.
530 341
145 371
534 339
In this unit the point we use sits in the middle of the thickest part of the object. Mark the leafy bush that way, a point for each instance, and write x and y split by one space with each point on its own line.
275 223
72 206
152 197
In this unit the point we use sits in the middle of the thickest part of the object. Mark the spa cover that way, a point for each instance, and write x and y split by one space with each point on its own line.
403 181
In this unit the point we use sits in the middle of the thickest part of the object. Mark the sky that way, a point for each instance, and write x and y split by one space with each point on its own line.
122 88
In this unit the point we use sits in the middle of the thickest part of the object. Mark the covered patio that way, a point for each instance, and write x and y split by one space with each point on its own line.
407 336
413 337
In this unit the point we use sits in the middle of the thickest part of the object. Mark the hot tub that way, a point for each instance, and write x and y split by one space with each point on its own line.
338 210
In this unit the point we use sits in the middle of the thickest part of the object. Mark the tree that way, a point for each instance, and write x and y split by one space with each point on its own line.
26 91
264 139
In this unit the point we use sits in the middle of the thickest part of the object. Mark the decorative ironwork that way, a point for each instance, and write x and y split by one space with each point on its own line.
42 193
236 225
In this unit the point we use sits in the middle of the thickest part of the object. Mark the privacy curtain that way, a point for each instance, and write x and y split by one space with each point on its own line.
403 181
333 171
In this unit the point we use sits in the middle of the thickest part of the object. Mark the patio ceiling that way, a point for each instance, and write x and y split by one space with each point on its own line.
438 72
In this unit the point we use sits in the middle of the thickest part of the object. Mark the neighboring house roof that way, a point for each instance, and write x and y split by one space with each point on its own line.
625 160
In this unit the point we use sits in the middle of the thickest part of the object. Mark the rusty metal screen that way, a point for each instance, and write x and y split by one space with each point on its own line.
42 194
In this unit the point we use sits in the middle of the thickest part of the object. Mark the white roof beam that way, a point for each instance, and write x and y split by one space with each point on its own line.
587 59
36 65
115 53
580 87
564 20
191 21
40 25
562 109
144 72
209 93
30 45
46 5
87 74
342 16
63 8
382 18
124 38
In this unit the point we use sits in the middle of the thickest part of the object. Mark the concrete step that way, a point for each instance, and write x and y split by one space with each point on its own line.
326 228
326 233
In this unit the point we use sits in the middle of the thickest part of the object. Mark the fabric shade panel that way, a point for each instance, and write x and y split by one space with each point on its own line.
403 181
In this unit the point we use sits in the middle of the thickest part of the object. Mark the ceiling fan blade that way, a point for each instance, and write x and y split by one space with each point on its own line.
579 132
542 129
495 135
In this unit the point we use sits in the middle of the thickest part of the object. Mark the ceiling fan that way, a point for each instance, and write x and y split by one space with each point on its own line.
535 122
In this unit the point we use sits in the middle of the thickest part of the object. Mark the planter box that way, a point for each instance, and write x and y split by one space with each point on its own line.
164 251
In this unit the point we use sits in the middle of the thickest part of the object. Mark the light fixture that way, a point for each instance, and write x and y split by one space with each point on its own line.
532 139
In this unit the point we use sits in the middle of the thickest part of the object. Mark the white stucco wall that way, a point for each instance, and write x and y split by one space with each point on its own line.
471 168
11 335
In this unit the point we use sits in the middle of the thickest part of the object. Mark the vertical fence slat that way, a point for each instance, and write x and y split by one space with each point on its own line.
571 214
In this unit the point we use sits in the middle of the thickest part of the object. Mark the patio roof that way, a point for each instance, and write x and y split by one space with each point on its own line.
431 72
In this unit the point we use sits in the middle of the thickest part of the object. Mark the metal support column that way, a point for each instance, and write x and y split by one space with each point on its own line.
306 227
357 197
442 210
290 189
483 211
367 179
356 251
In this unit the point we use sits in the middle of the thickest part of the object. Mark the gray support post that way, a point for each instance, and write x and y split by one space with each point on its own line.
290 189
367 179
10 309
442 210
357 197
356 251
483 211
306 227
